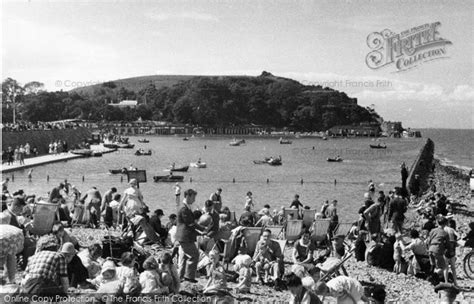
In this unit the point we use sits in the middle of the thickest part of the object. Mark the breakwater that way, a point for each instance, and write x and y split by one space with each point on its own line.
423 165
40 139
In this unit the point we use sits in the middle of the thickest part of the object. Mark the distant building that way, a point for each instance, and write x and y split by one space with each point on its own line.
125 103
391 128
365 130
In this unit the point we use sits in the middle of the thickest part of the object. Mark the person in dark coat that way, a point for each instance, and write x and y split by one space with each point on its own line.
155 222
186 233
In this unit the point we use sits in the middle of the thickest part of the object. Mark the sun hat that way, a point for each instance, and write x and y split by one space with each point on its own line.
68 248
108 265
133 181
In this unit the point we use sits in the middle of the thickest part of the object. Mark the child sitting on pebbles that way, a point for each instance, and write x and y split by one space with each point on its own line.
217 283
169 273
128 275
242 264
107 281
150 278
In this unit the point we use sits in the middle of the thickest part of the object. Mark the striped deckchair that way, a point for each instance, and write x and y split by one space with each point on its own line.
44 216
319 230
293 230
342 229
252 235
277 232
308 217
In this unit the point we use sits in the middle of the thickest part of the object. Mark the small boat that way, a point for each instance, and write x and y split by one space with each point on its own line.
178 169
198 165
96 153
168 178
83 152
335 160
378 146
324 138
144 140
274 161
110 145
285 141
125 146
185 138
118 171
142 152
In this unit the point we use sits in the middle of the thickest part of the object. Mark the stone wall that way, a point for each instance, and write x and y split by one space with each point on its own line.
423 165
41 138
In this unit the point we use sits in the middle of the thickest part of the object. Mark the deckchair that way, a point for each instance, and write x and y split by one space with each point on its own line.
44 216
319 230
342 229
308 217
252 235
334 271
232 219
288 211
293 230
277 232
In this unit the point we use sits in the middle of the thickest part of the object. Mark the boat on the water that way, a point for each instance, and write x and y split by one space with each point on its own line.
125 146
110 145
185 138
237 142
274 161
141 152
118 171
178 169
83 152
96 153
285 141
198 165
168 178
378 146
335 160
144 140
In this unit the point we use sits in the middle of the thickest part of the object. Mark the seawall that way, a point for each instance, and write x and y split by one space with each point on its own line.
41 138
423 165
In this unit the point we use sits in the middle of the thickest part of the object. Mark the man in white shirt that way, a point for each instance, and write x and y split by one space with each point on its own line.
346 290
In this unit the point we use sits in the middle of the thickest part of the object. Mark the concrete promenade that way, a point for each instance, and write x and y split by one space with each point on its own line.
48 159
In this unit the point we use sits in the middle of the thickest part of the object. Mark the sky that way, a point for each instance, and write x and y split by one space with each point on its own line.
67 44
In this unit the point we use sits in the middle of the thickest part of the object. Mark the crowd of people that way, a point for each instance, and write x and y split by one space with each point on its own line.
10 155
52 264
21 126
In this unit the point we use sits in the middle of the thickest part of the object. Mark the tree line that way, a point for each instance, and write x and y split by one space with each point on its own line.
204 101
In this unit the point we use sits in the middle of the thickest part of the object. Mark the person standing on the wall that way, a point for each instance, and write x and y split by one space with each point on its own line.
404 173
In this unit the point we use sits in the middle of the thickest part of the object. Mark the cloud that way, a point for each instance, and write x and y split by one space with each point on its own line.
195 16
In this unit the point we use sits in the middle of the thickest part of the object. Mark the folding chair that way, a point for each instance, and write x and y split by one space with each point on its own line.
308 217
319 230
233 218
252 235
44 216
277 232
342 229
282 244
293 230
334 271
